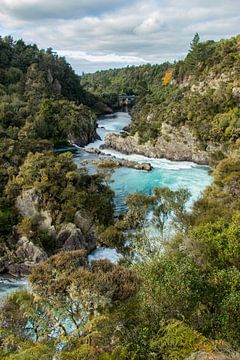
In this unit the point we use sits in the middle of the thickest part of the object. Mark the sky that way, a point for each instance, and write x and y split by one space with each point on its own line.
101 34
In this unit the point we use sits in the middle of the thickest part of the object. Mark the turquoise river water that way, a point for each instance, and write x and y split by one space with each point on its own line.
165 173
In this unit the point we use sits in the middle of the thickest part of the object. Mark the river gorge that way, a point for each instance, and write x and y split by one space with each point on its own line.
164 173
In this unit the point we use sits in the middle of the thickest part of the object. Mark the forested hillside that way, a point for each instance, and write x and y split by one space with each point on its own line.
175 295
41 97
132 80
202 92
43 105
198 96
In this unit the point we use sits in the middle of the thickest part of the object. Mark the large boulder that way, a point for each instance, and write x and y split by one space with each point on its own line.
83 222
88 229
19 269
93 150
26 256
28 205
30 252
135 165
236 93
71 238
114 162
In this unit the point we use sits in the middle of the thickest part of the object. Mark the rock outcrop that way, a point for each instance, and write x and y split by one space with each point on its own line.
113 162
84 139
26 256
28 206
30 252
4 252
177 144
102 108
87 227
27 203
92 150
70 238
236 93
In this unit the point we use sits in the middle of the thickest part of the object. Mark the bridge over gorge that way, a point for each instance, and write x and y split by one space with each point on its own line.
126 99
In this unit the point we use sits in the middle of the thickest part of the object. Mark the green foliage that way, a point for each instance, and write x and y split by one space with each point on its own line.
165 301
132 80
8 218
36 352
176 287
202 93
62 120
62 189
67 293
44 70
88 284
216 244
176 341
112 237
42 104
150 220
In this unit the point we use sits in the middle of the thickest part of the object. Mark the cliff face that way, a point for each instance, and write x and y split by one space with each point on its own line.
204 120
177 144
82 139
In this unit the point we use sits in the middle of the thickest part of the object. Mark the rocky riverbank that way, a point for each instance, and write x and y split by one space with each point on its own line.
176 144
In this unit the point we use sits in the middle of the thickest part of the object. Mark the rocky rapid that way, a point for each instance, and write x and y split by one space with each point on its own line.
164 173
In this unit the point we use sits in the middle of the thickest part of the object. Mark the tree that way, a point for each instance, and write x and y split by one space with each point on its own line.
150 217
195 41
167 77
74 291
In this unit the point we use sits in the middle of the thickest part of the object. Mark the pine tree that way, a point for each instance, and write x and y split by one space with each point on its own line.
195 41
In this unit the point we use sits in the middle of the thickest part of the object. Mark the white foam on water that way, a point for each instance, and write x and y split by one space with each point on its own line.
114 124
156 163
10 284
109 124
103 253
96 144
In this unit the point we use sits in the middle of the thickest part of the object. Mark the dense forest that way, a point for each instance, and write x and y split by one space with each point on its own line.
42 105
132 80
174 297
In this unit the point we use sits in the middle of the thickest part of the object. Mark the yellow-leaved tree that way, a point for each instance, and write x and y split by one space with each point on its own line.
167 77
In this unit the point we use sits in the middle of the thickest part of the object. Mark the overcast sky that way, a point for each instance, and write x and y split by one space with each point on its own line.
102 34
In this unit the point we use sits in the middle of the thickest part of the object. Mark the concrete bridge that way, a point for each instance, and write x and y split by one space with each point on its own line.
126 99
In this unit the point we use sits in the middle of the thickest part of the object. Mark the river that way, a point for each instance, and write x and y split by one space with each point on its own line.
165 173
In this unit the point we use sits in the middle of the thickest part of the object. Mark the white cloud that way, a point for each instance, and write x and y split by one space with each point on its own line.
119 32
101 58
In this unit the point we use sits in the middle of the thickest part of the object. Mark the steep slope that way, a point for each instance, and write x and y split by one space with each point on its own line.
43 105
29 78
191 110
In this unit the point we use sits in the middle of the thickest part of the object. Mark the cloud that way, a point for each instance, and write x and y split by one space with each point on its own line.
118 32
45 9
102 58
